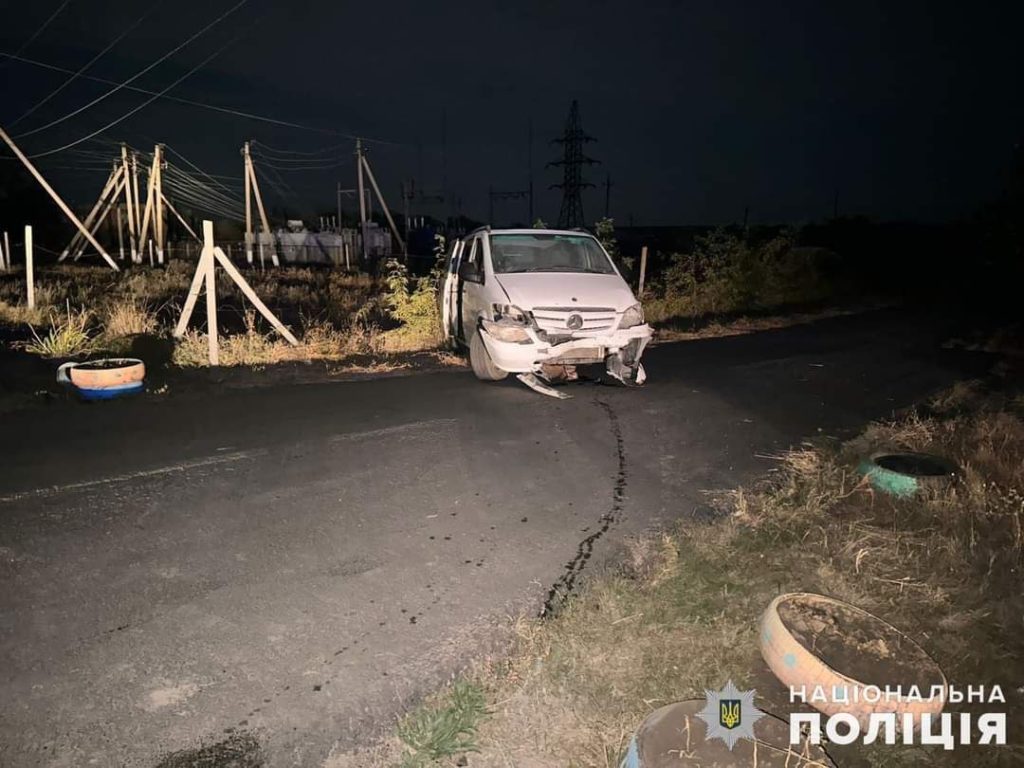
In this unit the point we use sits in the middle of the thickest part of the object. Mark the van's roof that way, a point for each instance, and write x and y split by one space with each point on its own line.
529 231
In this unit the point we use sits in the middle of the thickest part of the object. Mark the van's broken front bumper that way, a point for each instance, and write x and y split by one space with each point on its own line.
626 345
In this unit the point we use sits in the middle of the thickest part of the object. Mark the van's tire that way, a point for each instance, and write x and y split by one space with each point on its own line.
480 359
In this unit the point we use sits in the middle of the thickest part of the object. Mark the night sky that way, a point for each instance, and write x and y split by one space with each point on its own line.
700 109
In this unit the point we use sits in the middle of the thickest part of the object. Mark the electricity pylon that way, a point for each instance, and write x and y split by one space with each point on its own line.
571 213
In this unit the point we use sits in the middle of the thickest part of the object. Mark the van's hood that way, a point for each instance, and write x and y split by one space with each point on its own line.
529 290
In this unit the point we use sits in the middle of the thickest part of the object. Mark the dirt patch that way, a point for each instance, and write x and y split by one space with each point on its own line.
237 751
858 645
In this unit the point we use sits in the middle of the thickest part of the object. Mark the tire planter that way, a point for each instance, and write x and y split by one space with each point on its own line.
674 736
811 640
111 372
104 379
109 393
905 474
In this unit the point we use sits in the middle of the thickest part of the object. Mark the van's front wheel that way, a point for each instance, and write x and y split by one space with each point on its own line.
480 360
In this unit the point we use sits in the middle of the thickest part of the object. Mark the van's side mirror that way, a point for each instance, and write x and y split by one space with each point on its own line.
470 273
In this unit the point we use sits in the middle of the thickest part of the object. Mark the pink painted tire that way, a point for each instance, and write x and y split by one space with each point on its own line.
798 667
113 372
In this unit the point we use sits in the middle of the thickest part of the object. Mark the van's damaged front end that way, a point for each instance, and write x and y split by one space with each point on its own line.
547 339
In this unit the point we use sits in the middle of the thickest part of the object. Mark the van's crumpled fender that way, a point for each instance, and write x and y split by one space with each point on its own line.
625 365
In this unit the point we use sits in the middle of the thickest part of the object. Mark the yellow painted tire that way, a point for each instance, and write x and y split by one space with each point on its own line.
99 374
799 668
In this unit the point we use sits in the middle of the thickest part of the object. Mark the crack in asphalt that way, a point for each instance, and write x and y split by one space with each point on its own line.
566 583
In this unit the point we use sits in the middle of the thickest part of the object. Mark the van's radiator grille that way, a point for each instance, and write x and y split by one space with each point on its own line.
593 320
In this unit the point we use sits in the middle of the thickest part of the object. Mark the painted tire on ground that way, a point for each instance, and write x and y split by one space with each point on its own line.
905 474
799 668
97 374
109 393
674 736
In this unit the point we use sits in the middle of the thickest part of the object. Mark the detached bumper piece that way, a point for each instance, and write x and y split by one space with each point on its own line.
539 386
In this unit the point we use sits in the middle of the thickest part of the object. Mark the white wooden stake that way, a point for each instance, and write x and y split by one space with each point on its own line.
129 206
29 278
643 271
7 250
211 294
250 294
56 198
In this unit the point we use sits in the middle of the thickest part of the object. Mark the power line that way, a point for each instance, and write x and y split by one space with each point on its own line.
139 74
93 60
205 105
41 29
147 102
266 149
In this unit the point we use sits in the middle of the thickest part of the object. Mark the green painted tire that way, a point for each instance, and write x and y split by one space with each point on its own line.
904 475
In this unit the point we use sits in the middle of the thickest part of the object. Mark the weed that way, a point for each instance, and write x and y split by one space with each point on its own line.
127 317
68 335
443 728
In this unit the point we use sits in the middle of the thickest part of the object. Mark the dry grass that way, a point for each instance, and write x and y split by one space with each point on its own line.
681 613
128 317
68 334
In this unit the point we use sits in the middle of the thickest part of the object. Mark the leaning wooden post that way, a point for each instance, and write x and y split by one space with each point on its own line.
29 280
3 258
643 271
57 199
7 250
211 293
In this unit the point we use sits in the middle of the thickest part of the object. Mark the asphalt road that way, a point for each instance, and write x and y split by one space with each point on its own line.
299 563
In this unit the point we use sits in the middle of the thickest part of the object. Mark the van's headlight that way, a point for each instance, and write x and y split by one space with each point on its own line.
632 317
506 330
509 313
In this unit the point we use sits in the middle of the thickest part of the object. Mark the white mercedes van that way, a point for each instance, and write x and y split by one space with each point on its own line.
529 301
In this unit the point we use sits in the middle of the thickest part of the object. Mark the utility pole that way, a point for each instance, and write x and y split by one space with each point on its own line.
362 197
133 242
529 168
57 199
254 185
608 196
573 138
248 206
339 207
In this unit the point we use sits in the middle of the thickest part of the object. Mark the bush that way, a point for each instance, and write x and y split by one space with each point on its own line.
726 274
67 337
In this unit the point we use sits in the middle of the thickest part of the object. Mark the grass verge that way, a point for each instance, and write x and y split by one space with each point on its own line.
679 615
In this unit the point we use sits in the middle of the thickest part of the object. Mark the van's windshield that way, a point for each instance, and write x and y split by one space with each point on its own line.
527 252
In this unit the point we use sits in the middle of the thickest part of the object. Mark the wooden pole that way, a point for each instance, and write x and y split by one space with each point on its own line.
158 199
263 214
7 250
138 208
56 198
73 245
128 205
643 271
120 233
3 263
182 221
99 220
29 277
263 265
150 189
248 207
211 293
383 205
362 196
